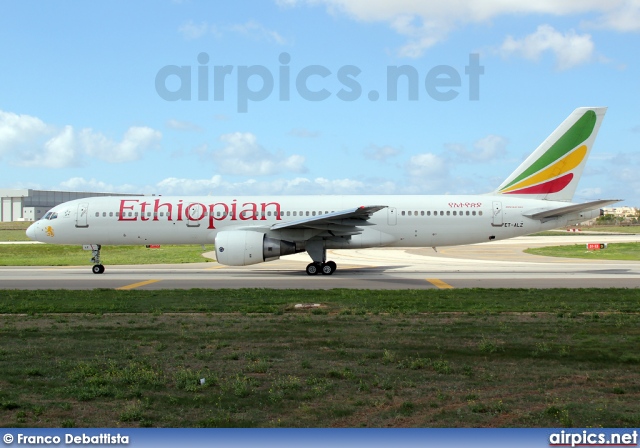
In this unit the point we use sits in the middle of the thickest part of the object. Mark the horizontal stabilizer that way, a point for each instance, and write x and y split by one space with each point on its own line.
575 208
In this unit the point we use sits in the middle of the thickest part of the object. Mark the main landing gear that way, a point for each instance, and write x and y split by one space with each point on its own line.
97 267
327 268
318 254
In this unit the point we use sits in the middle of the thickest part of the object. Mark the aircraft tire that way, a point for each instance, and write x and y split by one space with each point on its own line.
97 269
312 269
328 268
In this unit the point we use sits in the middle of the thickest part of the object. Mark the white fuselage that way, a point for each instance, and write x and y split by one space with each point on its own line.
407 221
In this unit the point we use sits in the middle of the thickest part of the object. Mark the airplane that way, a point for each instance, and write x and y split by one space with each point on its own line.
249 230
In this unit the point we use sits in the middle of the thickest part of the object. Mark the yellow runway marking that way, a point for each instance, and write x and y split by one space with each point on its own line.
439 283
220 266
137 285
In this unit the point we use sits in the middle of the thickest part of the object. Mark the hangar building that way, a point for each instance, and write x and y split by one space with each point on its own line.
31 205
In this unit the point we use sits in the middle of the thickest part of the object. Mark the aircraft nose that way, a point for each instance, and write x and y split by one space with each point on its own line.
31 231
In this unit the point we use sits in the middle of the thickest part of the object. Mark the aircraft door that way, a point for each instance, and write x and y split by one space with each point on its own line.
392 216
81 216
194 213
497 214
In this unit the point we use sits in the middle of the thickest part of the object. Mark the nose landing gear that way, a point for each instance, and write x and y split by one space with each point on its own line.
97 268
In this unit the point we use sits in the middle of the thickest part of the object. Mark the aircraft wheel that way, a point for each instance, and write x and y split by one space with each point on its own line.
312 269
97 269
333 265
328 268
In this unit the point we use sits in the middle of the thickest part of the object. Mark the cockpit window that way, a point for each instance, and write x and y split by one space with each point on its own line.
54 215
47 215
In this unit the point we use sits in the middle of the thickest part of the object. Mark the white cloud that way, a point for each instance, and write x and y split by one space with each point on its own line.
569 49
183 125
135 142
485 149
426 165
624 18
20 130
257 31
81 184
216 185
381 153
242 155
251 29
174 185
304 133
28 141
426 23
191 30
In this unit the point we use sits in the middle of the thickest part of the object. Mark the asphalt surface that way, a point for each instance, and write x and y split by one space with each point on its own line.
500 264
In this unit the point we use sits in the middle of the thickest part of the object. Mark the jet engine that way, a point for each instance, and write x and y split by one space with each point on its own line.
245 247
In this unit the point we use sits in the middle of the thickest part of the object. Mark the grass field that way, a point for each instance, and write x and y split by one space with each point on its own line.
13 231
493 358
614 251
63 255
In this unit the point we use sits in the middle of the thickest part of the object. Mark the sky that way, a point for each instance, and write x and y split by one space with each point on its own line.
275 97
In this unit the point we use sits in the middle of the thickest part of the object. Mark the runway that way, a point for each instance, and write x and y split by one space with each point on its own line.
500 264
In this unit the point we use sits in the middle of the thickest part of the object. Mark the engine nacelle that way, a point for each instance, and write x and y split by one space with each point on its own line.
244 247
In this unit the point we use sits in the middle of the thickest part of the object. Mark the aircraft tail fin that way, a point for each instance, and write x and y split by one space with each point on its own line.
553 170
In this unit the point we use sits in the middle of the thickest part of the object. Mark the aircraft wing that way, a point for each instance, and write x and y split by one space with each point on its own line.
574 208
344 222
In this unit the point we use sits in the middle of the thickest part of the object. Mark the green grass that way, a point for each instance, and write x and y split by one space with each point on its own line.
601 229
63 255
613 229
344 301
614 251
487 358
14 231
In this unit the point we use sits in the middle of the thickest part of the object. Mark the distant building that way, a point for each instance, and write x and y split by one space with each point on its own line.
31 205
621 212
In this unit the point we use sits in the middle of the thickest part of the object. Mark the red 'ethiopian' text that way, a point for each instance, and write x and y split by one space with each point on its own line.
136 210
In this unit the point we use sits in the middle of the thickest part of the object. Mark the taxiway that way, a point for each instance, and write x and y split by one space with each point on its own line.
501 264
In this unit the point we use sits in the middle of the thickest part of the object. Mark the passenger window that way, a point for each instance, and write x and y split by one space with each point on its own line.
441 213
422 213
428 213
288 213
307 213
454 213
473 213
467 212
402 213
117 214
104 214
313 213
448 213
110 214
480 213
295 213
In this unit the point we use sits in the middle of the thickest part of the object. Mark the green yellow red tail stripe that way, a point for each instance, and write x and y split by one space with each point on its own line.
551 172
